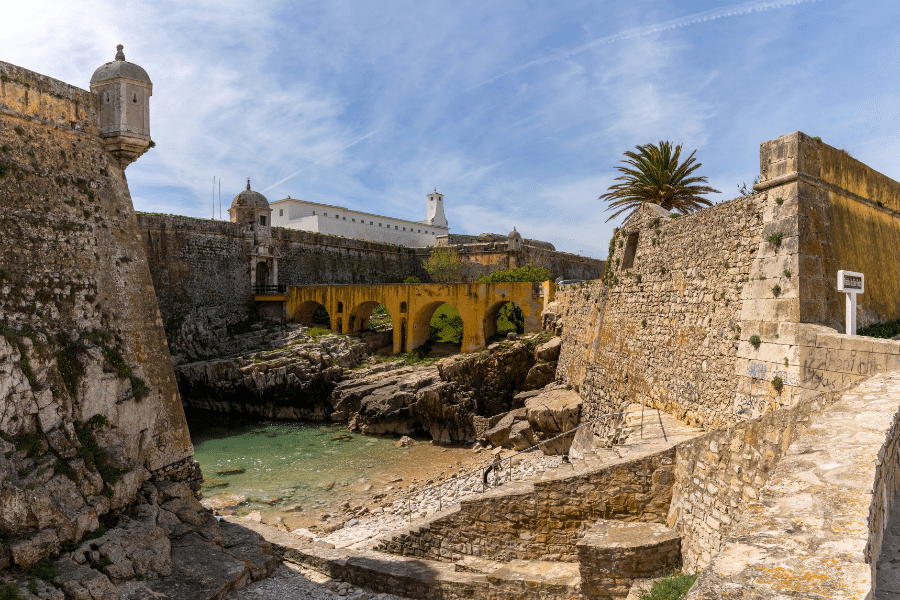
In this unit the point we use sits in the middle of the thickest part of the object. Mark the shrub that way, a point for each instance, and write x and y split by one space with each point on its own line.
787 274
672 587
885 330
526 273
775 238
755 341
10 591
43 569
776 290
444 265
643 322
412 279
779 200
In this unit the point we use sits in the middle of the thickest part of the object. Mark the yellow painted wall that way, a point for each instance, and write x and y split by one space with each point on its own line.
412 305
866 238
840 169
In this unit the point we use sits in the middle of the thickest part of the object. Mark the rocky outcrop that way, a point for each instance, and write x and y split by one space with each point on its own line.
291 382
552 413
450 401
165 546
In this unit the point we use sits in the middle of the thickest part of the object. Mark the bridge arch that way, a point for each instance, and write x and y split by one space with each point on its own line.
421 323
493 313
358 318
309 313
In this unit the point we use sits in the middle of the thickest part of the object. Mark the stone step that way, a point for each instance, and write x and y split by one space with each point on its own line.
478 579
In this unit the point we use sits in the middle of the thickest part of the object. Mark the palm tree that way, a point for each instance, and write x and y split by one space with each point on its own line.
653 174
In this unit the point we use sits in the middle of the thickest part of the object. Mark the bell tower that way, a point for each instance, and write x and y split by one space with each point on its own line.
124 89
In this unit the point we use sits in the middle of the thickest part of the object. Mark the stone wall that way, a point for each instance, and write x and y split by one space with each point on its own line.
731 311
668 325
82 333
719 473
543 520
816 522
483 258
202 275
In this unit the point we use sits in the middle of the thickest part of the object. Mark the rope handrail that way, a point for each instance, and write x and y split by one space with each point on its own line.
482 469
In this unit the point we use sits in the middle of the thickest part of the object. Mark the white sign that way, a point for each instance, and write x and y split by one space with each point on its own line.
851 284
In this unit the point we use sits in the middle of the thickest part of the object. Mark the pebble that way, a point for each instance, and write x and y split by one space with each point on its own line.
293 582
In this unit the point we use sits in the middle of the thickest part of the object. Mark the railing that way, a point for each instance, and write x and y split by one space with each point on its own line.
259 290
493 474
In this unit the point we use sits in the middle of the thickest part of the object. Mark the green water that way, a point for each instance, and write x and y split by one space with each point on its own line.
311 465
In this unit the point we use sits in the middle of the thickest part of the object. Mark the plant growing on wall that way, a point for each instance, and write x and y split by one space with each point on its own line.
444 265
656 174
526 273
775 238
755 341
777 383
776 290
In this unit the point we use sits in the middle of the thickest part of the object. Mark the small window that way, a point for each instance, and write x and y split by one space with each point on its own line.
280 212
340 308
345 218
262 220
326 214
395 227
134 99
379 224
404 229
403 307
354 220
370 223
630 251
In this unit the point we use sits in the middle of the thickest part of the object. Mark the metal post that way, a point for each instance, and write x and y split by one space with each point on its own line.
851 313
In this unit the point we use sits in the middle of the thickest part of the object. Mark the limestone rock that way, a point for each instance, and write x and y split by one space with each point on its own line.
521 435
499 434
549 351
405 442
539 376
552 413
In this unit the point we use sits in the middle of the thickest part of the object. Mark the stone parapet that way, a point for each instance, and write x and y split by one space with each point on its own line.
612 554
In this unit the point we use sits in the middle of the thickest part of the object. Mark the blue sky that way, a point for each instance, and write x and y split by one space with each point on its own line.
517 111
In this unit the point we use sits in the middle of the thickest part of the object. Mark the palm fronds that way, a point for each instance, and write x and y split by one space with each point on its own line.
654 174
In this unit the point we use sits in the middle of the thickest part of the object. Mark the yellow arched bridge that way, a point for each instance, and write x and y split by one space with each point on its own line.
411 307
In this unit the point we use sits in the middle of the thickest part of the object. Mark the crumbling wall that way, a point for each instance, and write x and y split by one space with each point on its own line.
82 334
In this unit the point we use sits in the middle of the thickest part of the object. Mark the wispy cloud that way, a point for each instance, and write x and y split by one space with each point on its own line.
733 10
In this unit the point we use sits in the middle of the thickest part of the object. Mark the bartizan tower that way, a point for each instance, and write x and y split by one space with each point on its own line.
124 89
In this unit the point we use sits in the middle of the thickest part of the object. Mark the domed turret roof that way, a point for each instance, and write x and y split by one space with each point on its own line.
249 198
120 68
515 234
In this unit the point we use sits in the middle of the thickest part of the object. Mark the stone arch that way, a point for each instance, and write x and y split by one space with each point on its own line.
360 315
421 323
493 314
305 313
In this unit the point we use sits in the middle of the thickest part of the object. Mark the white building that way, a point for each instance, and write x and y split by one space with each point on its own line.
337 220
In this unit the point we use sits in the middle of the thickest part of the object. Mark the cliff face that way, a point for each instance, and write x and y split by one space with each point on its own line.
82 334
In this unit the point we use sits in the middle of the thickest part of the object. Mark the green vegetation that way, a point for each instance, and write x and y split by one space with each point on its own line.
94 456
775 238
10 591
380 319
787 274
655 174
316 332
746 191
526 273
64 468
444 265
884 330
777 383
779 200
71 371
116 364
776 290
412 279
755 341
672 587
510 320
43 569
446 325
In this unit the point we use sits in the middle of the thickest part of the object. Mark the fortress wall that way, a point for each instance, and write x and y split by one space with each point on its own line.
72 262
759 267
484 258
668 326
842 225
202 275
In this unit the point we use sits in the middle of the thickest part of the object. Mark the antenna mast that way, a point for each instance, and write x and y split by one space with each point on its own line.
220 198
214 197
